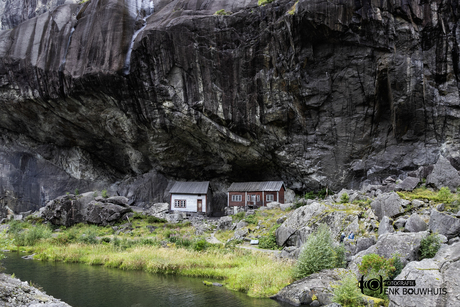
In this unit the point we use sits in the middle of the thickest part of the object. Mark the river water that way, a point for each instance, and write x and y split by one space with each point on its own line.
86 286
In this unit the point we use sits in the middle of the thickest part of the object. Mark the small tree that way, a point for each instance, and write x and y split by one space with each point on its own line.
344 198
373 266
429 246
347 293
317 253
445 195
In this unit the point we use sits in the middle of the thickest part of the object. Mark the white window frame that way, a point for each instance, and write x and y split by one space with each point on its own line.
270 197
180 203
237 198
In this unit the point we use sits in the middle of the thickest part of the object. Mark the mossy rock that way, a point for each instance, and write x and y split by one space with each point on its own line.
377 301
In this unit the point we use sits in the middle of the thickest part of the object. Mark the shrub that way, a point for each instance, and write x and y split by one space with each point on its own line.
429 246
89 236
138 216
346 293
154 219
376 263
200 245
77 192
373 266
104 194
35 234
399 266
310 195
34 219
16 226
317 253
268 242
344 198
340 256
238 217
445 195
183 242
251 219
28 237
106 240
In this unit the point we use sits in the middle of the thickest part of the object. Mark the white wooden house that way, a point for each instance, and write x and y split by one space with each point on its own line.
191 197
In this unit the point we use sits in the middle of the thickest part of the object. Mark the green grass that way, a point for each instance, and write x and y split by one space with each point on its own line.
442 196
292 10
170 249
263 2
222 12
257 274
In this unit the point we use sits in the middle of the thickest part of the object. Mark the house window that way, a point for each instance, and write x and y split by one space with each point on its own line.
270 197
237 198
255 197
179 203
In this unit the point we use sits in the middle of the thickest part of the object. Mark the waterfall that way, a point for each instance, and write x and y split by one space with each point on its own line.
137 9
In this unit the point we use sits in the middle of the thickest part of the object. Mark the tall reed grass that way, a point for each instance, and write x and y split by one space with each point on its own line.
254 273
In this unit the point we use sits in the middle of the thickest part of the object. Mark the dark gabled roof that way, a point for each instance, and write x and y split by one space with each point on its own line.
255 186
191 187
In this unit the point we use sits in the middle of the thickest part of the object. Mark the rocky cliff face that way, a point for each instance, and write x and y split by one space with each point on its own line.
130 94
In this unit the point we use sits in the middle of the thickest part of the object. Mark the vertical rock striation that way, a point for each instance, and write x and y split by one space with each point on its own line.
315 93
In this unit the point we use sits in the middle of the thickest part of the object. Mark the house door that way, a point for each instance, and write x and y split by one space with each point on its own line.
199 204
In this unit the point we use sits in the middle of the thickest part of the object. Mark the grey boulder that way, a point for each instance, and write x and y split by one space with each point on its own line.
385 226
297 220
118 200
415 223
388 204
364 243
444 175
404 244
445 224
225 223
319 284
436 274
400 223
158 209
71 209
407 184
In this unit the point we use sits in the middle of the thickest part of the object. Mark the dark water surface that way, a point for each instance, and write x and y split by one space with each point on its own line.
85 286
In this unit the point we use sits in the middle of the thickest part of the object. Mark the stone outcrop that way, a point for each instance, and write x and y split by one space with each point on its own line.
15 293
301 292
14 12
408 184
444 175
225 223
294 231
444 224
405 245
86 208
297 223
158 209
319 94
385 226
388 204
415 223
436 274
